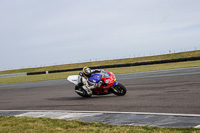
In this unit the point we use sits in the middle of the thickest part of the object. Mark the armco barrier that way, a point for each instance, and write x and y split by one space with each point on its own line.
35 73
13 75
122 65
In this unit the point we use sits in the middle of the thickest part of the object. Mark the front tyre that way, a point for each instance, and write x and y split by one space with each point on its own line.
119 90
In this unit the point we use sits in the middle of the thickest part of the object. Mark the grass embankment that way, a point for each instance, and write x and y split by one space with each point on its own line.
114 70
108 62
27 124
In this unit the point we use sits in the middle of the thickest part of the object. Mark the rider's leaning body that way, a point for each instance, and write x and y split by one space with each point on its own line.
84 75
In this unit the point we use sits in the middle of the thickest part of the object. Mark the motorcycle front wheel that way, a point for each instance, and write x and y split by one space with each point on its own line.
119 90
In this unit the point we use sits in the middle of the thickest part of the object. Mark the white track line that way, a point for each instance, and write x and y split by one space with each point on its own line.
106 112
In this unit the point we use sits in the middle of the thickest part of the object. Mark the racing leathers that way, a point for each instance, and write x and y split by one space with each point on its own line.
86 84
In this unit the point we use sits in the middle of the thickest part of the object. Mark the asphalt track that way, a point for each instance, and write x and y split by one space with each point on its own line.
167 91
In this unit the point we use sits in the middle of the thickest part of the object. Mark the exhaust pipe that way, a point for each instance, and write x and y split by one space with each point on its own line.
79 91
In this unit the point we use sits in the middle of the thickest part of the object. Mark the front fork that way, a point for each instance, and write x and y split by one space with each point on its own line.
113 86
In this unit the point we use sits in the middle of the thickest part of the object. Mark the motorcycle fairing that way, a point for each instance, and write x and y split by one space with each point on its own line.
95 78
115 83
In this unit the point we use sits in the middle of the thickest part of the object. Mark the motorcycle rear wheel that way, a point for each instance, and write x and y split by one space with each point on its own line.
119 90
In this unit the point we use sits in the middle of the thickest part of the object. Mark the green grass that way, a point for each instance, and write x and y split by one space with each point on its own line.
46 125
114 70
108 62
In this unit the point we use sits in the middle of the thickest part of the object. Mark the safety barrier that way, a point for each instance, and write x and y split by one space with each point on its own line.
13 75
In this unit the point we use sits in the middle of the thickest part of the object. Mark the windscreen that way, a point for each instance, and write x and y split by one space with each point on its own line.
105 74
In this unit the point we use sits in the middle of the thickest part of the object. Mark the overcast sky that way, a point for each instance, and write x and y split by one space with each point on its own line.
48 32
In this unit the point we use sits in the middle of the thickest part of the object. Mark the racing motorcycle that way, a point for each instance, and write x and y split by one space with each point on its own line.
109 84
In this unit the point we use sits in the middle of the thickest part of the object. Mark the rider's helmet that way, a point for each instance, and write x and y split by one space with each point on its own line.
87 71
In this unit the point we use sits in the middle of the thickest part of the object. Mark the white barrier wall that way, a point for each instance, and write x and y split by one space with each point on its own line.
13 75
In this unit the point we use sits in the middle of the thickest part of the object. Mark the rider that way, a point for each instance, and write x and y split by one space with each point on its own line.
85 74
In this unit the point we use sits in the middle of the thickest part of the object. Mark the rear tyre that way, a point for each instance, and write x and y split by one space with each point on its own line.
81 92
119 90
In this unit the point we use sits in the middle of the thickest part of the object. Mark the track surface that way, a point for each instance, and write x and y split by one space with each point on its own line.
169 91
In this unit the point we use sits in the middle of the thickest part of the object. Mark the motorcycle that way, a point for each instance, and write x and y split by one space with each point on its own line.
109 84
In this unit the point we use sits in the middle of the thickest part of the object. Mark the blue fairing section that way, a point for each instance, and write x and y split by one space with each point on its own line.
116 83
95 78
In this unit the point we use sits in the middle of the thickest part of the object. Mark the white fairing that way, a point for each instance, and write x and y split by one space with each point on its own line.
73 79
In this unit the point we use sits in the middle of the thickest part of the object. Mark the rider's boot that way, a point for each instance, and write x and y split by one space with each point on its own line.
89 92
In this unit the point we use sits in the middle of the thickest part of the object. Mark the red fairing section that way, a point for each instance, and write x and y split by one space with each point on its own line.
109 81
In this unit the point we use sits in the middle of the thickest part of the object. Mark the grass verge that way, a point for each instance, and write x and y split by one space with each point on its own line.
114 70
108 62
28 124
